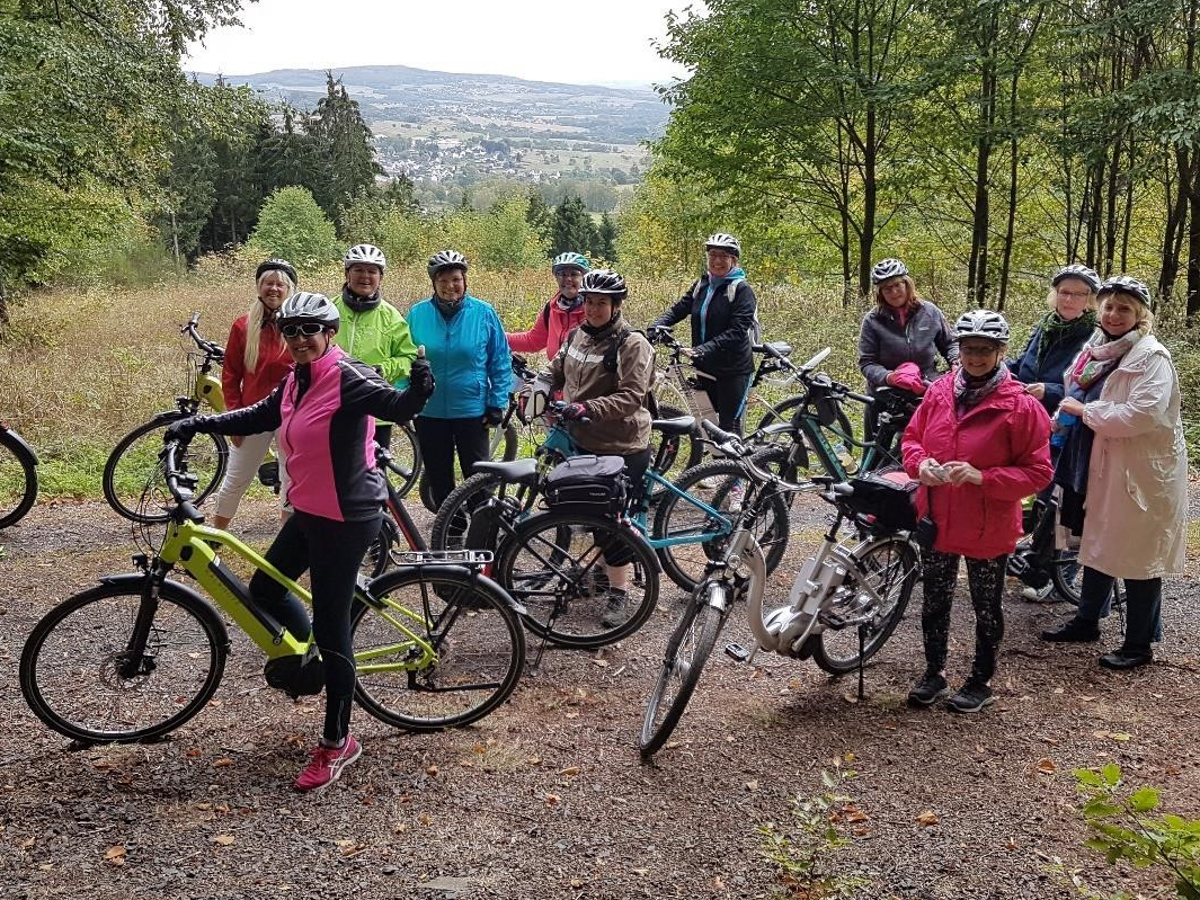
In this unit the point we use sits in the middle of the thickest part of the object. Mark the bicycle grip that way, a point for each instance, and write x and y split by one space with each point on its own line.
421 352
861 398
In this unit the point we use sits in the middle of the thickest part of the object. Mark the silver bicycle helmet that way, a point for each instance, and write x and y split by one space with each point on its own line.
887 268
570 260
605 282
723 241
367 254
1127 285
982 323
446 259
1080 271
305 307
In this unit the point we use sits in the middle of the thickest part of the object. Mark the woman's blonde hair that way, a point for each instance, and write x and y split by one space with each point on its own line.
254 319
1145 319
910 290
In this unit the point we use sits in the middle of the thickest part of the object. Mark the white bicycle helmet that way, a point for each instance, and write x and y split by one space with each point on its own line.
982 323
1127 285
1080 271
446 259
367 254
606 283
305 307
723 241
887 268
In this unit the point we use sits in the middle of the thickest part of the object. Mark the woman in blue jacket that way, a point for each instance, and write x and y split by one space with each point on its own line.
1060 335
465 345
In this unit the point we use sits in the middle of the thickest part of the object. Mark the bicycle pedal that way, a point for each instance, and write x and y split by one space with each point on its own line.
738 652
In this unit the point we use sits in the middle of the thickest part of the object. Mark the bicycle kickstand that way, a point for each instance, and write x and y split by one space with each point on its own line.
861 643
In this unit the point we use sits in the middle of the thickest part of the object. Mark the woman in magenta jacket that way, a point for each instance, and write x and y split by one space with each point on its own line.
563 312
979 443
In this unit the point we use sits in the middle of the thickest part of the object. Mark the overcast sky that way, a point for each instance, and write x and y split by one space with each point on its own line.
609 41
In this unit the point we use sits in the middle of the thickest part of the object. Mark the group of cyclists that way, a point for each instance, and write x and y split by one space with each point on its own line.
312 375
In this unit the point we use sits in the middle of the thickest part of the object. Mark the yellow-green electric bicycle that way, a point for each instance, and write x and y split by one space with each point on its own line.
437 644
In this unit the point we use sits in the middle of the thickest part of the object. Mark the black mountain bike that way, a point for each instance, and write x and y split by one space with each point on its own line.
18 477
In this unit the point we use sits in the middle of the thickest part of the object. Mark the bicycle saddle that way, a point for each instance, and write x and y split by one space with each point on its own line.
517 471
681 425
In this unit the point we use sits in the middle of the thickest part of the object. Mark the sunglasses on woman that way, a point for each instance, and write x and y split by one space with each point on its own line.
295 329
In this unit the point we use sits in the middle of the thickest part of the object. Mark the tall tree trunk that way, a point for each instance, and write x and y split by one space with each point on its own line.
1177 208
1193 274
977 266
1013 167
866 238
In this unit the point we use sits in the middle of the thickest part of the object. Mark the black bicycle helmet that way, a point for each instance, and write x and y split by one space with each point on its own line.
605 282
276 265
446 259
305 307
1126 284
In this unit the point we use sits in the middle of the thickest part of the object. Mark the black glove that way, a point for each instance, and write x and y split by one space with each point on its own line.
574 411
420 378
182 431
493 417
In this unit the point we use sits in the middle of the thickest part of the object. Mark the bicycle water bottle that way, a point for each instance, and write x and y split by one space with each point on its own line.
1063 423
845 457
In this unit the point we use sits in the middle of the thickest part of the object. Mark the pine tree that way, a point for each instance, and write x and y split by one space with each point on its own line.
571 227
606 239
343 145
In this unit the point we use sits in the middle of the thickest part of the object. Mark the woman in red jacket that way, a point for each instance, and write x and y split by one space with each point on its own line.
979 443
562 313
256 361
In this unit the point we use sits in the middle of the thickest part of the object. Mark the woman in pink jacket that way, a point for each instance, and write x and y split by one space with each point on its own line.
561 314
979 443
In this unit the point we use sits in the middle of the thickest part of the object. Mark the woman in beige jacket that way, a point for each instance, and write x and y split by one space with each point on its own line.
1124 472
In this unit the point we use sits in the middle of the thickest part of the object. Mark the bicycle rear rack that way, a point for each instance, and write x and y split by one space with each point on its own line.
444 557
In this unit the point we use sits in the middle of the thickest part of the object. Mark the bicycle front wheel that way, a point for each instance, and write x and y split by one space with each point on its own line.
85 675
688 649
561 566
132 470
438 647
453 519
405 468
720 485
18 480
890 568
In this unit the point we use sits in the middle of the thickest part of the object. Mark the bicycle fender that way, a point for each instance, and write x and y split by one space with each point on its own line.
776 429
22 446
137 579
167 416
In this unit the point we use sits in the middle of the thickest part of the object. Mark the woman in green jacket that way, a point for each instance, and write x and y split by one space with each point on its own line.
373 331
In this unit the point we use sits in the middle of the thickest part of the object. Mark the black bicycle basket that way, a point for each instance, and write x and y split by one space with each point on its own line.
888 501
593 481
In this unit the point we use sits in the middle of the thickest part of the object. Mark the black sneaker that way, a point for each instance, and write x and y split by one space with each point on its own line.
614 608
973 697
929 690
1076 631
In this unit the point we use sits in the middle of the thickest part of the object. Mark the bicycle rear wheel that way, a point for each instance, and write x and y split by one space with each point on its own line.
453 520
132 469
405 468
555 565
891 568
18 480
688 649
475 634
715 483
83 676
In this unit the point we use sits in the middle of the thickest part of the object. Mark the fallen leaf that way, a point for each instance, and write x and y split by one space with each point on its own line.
670 745
602 663
854 814
642 872
223 839
534 760
28 843
752 785
193 753
223 761
399 828
850 698
718 883
576 883
115 852
431 771
1121 736
569 770
1046 766
424 819
927 818
1087 698
552 799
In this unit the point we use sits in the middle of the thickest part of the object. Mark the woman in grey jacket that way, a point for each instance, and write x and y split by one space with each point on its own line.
902 328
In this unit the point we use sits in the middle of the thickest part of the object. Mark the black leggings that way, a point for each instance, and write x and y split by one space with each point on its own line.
332 552
726 395
439 438
985 577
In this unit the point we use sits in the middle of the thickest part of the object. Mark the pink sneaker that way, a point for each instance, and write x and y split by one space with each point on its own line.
326 765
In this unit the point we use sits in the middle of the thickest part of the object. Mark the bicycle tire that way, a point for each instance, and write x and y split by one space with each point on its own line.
208 458
684 564
18 480
405 457
565 604
472 623
783 412
701 622
378 557
454 517
87 663
910 569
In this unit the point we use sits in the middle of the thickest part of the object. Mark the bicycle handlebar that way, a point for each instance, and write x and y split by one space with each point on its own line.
214 350
179 482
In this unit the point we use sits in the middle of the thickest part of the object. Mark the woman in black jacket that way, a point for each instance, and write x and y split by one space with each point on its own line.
723 311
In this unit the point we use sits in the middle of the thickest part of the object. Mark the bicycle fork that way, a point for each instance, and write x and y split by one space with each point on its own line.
135 661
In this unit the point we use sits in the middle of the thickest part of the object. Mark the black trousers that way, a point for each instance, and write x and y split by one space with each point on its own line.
440 439
332 552
726 395
1143 606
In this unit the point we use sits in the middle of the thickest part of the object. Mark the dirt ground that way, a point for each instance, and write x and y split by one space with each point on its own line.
547 797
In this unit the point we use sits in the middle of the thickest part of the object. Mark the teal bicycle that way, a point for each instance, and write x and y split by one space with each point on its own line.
436 643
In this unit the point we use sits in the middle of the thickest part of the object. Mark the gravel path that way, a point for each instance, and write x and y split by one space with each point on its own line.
547 797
